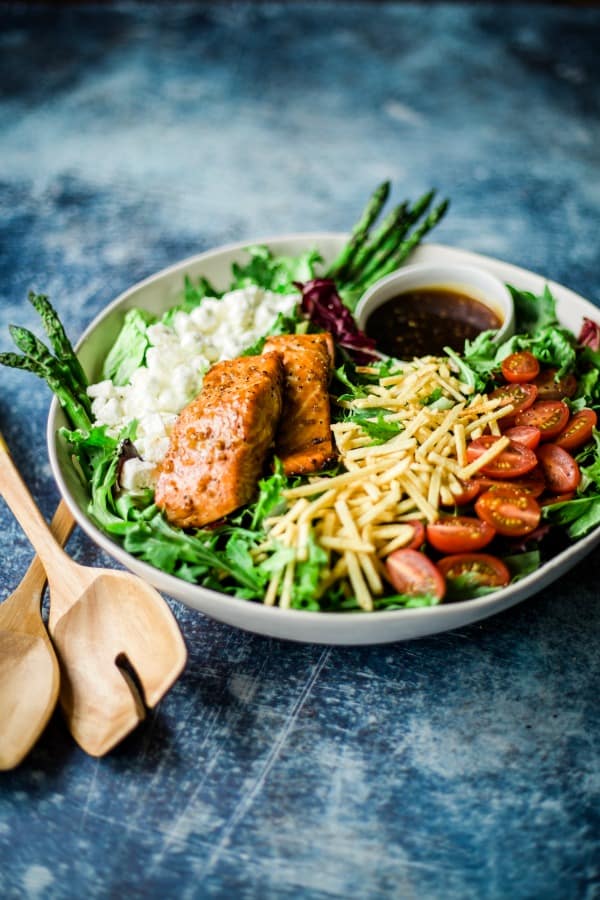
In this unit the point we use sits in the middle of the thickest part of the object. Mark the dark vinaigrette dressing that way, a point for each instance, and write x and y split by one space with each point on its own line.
424 321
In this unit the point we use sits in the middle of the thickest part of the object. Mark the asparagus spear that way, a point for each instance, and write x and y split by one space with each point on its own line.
60 342
407 246
69 401
393 257
359 233
421 206
373 264
396 221
35 350
32 347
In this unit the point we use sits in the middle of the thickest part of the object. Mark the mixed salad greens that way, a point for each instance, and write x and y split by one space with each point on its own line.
224 557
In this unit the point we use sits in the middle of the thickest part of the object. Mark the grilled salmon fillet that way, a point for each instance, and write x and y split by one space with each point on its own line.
303 441
220 441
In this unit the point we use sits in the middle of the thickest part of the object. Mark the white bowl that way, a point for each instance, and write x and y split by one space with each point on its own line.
472 281
161 291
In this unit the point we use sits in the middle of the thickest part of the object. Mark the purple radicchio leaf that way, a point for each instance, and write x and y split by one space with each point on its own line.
326 310
589 336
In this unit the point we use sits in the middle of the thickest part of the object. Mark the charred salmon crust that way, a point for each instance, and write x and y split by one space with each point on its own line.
220 441
303 440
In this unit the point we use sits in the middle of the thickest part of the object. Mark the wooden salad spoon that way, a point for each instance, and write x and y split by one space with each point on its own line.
29 675
105 625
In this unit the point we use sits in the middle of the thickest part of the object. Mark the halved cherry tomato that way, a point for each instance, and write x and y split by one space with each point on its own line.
480 568
557 498
411 572
550 416
528 435
533 483
519 396
549 388
419 536
560 469
520 367
578 430
514 461
459 534
509 510
465 494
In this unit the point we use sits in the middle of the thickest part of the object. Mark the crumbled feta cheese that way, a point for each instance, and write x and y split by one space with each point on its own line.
102 390
176 361
136 475
207 316
110 410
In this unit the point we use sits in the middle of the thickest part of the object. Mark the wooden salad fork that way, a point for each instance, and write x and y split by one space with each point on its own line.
29 674
105 625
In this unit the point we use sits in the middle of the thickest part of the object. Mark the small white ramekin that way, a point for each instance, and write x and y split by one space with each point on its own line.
470 280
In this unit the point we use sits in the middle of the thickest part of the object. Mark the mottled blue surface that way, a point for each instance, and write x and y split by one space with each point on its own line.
463 765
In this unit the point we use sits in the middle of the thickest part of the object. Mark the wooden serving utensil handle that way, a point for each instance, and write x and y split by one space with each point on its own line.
22 609
16 493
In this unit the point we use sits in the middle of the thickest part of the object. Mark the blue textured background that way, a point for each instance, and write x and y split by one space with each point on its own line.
464 765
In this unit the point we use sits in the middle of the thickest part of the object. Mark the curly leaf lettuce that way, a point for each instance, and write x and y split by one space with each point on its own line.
275 273
128 352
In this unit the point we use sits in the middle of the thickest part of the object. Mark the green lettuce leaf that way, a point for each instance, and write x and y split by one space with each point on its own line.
374 423
307 576
275 273
270 499
522 564
579 516
533 311
405 601
128 352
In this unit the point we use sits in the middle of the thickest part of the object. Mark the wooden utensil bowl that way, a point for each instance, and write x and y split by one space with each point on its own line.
98 617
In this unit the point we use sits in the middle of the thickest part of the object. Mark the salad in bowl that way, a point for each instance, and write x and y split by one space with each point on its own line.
226 430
